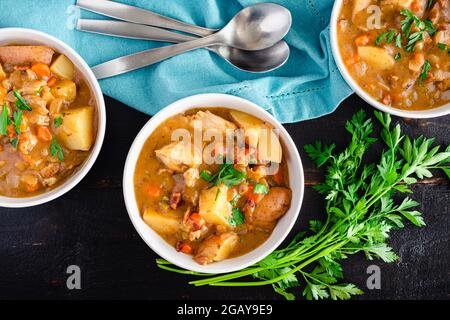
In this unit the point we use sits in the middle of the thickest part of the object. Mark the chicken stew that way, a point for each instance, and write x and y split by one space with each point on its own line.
398 51
211 199
47 120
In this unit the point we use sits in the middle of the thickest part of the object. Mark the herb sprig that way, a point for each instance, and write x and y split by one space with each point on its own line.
422 25
20 102
226 175
361 212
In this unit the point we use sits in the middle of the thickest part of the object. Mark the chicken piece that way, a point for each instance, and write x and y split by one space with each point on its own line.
32 87
272 207
20 55
416 63
30 182
250 124
50 170
178 155
191 176
27 142
216 248
210 121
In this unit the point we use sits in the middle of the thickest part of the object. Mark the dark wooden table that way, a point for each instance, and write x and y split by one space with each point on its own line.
89 227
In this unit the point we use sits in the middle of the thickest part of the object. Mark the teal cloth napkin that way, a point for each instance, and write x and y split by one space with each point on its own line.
308 86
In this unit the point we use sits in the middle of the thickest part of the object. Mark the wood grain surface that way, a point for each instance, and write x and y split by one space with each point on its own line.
89 227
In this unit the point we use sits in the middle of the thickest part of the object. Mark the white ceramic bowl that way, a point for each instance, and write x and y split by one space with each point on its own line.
28 36
435 112
284 225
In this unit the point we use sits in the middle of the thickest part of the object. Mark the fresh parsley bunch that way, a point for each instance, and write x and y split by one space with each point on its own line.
360 208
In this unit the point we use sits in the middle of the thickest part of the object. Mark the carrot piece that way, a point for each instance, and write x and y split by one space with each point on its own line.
416 6
41 69
11 131
279 176
3 93
185 248
195 217
255 197
51 82
43 133
354 59
153 190
362 40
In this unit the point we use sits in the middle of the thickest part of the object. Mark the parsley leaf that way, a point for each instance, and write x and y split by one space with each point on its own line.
15 142
58 121
20 102
424 74
441 46
237 217
226 175
388 35
17 116
4 120
55 149
260 188
398 56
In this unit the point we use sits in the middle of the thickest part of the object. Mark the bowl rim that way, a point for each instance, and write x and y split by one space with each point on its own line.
416 114
153 240
7 35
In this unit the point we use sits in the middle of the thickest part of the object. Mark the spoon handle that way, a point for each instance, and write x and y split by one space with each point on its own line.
148 57
130 30
137 15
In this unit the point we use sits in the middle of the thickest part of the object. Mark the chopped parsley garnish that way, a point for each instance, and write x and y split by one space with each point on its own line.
441 46
425 69
389 36
20 102
205 175
422 25
38 91
17 115
237 217
260 188
4 120
226 175
398 40
15 142
398 56
430 4
57 121
55 148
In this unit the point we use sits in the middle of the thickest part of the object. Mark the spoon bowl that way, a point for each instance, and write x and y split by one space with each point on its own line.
257 27
255 61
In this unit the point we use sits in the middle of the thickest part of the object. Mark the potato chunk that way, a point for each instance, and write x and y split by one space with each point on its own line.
213 205
272 207
163 223
269 147
360 5
216 248
210 121
65 89
376 57
63 67
26 54
251 125
77 129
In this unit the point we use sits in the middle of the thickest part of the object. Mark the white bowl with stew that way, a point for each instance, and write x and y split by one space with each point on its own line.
284 224
441 110
21 36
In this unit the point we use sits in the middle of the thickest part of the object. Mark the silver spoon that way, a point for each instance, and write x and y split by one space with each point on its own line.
251 61
256 27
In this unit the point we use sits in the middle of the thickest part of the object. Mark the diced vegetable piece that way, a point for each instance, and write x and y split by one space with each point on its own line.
376 57
77 130
26 54
442 36
165 223
269 147
2 73
213 205
41 69
43 133
403 3
63 67
65 89
359 5
251 125
216 248
416 63
3 93
153 190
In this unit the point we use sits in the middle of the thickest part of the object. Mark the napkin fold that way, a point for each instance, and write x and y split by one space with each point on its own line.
307 86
